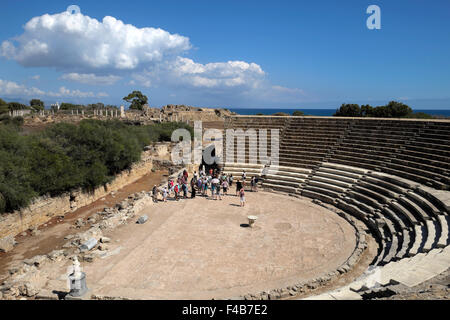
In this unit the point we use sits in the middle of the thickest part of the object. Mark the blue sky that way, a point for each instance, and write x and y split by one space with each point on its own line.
299 54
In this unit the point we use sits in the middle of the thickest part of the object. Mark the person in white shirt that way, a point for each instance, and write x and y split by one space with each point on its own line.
215 187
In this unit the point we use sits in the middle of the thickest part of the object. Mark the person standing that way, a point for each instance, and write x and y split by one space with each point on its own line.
238 187
193 188
242 196
215 188
165 194
171 186
225 186
155 193
176 190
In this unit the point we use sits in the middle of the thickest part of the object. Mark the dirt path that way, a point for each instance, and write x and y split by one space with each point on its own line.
52 233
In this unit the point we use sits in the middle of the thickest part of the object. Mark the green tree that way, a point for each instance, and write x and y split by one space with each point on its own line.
37 104
2 203
348 110
70 106
298 113
16 106
398 109
366 110
137 100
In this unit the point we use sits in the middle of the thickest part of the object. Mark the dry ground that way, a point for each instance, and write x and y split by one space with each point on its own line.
201 249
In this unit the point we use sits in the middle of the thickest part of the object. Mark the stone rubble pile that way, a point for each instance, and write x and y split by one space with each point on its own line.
27 277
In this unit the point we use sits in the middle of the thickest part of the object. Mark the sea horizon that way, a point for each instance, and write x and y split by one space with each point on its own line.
320 112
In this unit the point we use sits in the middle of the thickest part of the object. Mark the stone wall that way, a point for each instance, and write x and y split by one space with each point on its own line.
44 208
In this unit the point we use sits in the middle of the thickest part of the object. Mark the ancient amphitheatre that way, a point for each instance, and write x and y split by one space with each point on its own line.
356 208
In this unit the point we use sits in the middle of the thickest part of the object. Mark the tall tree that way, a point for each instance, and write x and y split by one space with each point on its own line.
137 100
348 110
37 104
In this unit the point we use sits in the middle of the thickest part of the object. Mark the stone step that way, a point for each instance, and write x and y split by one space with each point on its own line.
282 177
334 176
431 236
414 208
345 168
327 192
365 199
406 244
403 212
338 183
417 241
281 182
285 169
329 186
444 238
288 189
427 205
243 165
377 188
317 195
371 194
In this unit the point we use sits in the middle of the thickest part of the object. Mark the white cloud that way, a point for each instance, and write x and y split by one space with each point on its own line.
77 42
219 74
10 88
90 78
64 92
36 77
96 52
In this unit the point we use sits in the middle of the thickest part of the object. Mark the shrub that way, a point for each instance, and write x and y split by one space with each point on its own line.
298 113
348 110
393 109
65 157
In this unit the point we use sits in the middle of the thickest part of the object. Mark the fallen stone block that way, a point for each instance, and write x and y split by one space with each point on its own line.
88 258
35 261
55 254
143 219
28 290
89 245
102 247
105 240
7 243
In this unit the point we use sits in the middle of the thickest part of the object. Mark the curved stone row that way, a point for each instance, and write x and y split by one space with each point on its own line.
418 150
385 173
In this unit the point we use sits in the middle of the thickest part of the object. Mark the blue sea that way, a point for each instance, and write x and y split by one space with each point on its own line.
318 112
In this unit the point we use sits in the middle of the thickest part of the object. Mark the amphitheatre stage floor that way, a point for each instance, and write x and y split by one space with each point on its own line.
197 248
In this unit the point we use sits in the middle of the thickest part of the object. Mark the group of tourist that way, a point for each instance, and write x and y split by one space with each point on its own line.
215 182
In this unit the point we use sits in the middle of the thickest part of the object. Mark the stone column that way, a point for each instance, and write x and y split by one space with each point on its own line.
122 111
